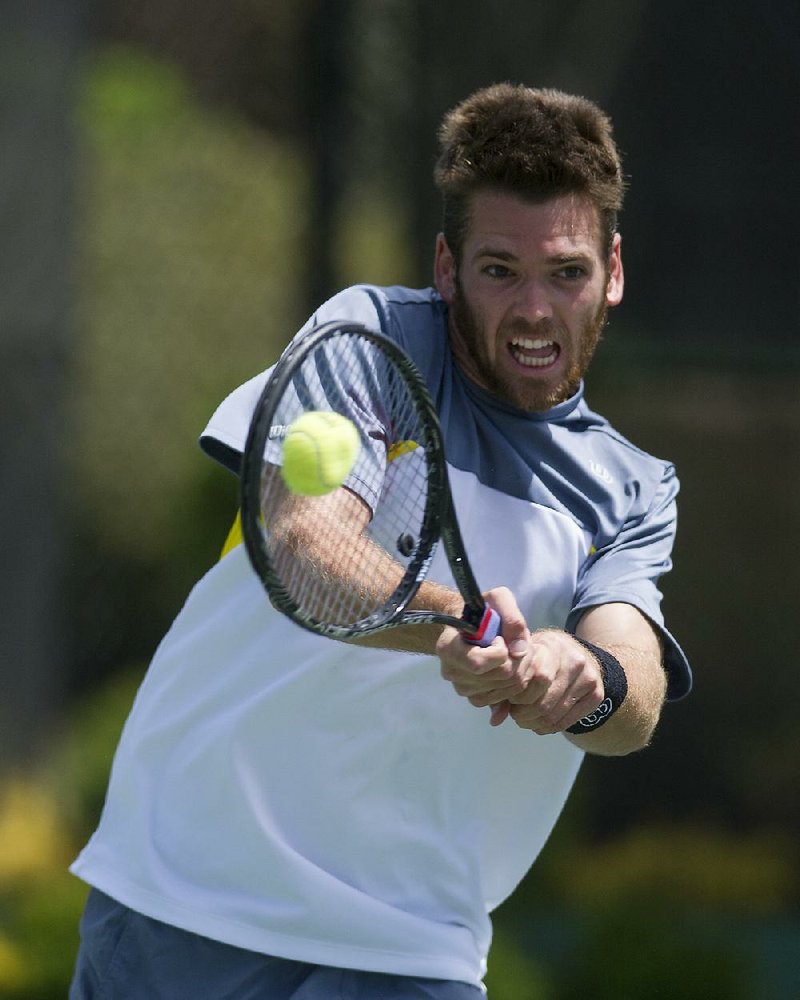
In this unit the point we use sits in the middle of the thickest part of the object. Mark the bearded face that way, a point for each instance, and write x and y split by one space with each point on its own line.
541 337
528 296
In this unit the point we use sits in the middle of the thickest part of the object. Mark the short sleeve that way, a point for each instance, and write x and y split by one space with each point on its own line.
627 570
318 385
224 436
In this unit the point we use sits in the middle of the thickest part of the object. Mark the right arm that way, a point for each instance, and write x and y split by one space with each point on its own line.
356 571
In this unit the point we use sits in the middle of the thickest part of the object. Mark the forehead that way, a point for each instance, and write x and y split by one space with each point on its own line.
565 224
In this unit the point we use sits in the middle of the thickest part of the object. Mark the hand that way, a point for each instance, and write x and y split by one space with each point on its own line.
493 674
565 683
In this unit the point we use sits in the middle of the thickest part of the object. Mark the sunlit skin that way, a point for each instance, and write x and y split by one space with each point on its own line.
528 297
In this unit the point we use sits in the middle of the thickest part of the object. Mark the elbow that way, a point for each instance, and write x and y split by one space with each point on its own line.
626 733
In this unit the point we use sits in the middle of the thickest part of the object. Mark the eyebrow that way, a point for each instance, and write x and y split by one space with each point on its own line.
489 251
553 260
569 258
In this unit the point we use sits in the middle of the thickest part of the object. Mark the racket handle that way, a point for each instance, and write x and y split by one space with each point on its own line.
487 630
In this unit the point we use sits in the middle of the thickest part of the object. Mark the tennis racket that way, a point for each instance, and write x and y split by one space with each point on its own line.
350 563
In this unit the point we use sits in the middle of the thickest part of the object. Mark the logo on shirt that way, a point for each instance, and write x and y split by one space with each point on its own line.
601 472
400 448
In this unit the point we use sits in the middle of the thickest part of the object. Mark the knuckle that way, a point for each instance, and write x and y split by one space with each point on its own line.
524 697
515 690
445 640
595 690
520 713
542 673
494 663
548 719
506 670
587 687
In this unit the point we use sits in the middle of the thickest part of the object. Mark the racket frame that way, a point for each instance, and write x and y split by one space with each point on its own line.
479 622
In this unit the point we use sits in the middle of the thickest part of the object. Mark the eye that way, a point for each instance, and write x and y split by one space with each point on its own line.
496 271
572 272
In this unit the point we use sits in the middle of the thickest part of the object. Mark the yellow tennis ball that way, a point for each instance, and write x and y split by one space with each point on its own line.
319 450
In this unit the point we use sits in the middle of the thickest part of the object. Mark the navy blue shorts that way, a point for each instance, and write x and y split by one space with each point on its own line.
126 955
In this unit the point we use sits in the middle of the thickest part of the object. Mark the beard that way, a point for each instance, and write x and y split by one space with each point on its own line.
531 397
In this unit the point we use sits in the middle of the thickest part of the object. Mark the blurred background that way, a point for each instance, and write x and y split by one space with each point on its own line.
182 182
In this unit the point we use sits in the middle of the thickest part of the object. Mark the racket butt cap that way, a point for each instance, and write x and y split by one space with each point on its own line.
488 629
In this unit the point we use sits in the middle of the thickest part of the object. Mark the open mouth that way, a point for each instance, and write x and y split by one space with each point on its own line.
534 352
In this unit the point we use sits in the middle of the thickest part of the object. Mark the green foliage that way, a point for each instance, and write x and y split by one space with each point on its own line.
630 952
44 930
90 735
373 244
515 974
45 817
677 910
683 865
39 902
190 271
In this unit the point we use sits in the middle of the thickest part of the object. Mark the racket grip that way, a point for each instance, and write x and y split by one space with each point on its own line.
488 629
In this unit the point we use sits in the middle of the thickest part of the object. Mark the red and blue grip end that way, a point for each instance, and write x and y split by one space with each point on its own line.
488 629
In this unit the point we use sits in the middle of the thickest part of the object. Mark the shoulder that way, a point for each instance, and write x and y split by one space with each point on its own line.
610 482
613 458
414 318
404 314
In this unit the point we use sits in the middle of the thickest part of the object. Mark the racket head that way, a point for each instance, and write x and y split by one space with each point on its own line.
397 488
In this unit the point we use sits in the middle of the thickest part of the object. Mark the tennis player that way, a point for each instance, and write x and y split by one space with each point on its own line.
293 817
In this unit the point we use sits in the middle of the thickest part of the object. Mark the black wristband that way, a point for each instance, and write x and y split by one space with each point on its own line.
615 685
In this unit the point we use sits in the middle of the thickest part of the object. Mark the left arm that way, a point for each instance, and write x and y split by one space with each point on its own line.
558 681
567 682
624 631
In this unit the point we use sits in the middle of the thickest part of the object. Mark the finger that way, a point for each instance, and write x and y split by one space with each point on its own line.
488 696
515 630
578 700
496 662
483 694
535 674
457 658
499 713
577 710
557 720
527 717
490 688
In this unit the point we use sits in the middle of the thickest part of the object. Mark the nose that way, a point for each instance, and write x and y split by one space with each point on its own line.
533 302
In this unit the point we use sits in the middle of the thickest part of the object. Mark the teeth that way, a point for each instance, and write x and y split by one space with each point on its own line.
535 362
527 344
531 345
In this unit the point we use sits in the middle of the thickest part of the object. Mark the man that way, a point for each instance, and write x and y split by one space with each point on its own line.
292 817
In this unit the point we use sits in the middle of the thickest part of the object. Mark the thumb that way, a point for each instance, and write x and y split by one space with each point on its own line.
517 648
514 630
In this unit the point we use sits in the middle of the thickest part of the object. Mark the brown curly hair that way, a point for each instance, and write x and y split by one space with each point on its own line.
534 144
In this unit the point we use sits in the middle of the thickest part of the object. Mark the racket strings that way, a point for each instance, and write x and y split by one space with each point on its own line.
341 558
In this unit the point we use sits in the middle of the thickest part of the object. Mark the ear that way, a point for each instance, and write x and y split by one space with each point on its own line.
444 270
616 275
